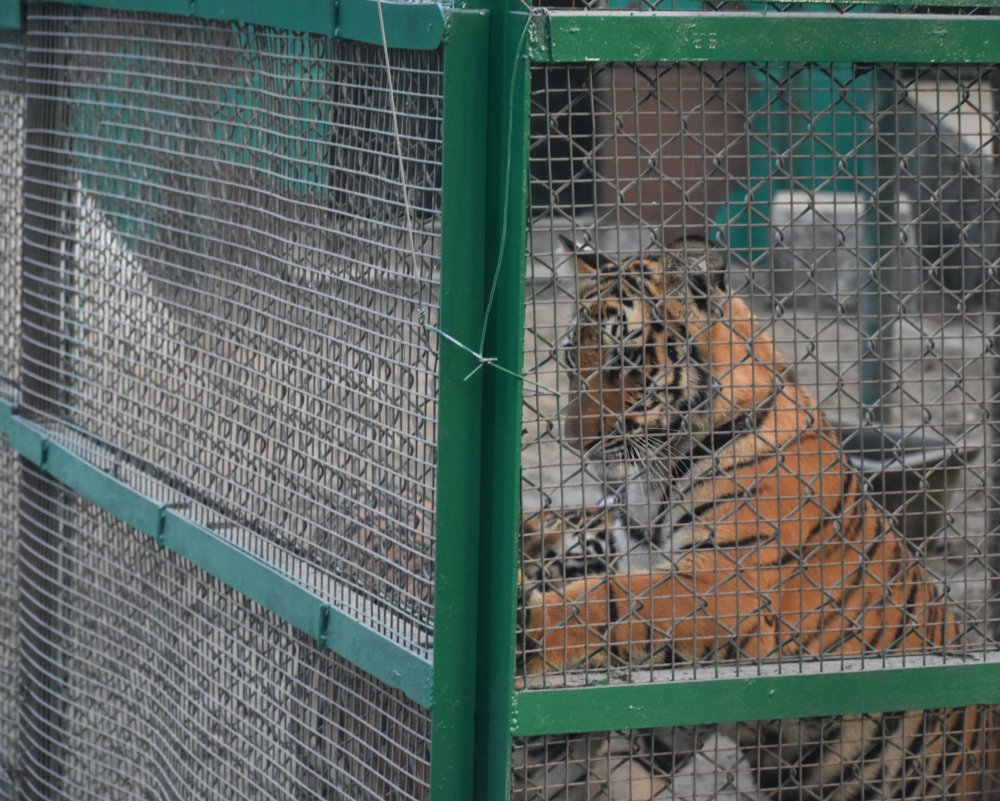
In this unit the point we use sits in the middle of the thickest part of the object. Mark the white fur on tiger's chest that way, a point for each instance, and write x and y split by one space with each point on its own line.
648 508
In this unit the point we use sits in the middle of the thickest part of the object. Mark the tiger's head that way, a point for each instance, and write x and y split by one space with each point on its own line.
659 354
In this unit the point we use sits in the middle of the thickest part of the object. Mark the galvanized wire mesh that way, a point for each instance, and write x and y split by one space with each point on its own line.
239 312
631 765
11 155
167 684
814 758
687 516
8 620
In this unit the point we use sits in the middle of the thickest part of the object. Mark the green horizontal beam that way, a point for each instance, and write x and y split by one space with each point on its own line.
576 36
101 489
239 569
686 703
901 3
417 26
306 16
10 15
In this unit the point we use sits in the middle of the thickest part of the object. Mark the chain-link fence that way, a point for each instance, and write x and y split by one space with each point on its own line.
761 309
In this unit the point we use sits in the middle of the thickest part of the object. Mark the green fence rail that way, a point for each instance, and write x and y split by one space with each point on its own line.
417 26
568 36
10 16
232 565
574 37
690 702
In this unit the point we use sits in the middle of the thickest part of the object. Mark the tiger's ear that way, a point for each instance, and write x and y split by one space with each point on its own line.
714 264
700 258
588 260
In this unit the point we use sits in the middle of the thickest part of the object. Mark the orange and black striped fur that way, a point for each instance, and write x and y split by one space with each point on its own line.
768 548
567 544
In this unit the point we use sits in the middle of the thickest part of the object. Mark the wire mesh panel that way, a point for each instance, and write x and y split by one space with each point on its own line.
171 685
683 764
761 310
917 753
8 620
11 155
239 310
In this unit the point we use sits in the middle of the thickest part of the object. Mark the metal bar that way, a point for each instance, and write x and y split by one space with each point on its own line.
453 737
258 581
28 439
262 583
902 3
506 241
415 26
570 36
683 703
307 16
102 489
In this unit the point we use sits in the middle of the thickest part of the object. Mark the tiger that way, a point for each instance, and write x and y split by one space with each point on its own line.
560 545
768 546
567 544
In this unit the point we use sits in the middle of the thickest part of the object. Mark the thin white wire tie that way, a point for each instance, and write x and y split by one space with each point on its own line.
394 116
483 361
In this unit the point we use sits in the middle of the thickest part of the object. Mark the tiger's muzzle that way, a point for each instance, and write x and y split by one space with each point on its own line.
586 423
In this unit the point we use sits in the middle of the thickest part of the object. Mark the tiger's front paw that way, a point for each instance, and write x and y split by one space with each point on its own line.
568 627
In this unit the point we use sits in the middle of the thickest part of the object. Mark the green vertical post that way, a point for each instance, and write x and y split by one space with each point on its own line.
506 240
460 405
10 15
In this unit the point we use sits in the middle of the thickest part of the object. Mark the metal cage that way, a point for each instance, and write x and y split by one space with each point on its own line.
591 401
846 199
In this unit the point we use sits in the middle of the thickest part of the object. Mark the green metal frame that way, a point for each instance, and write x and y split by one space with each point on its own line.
507 174
561 36
488 48
686 703
460 398
260 582
10 15
307 16
571 36
415 26
448 685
